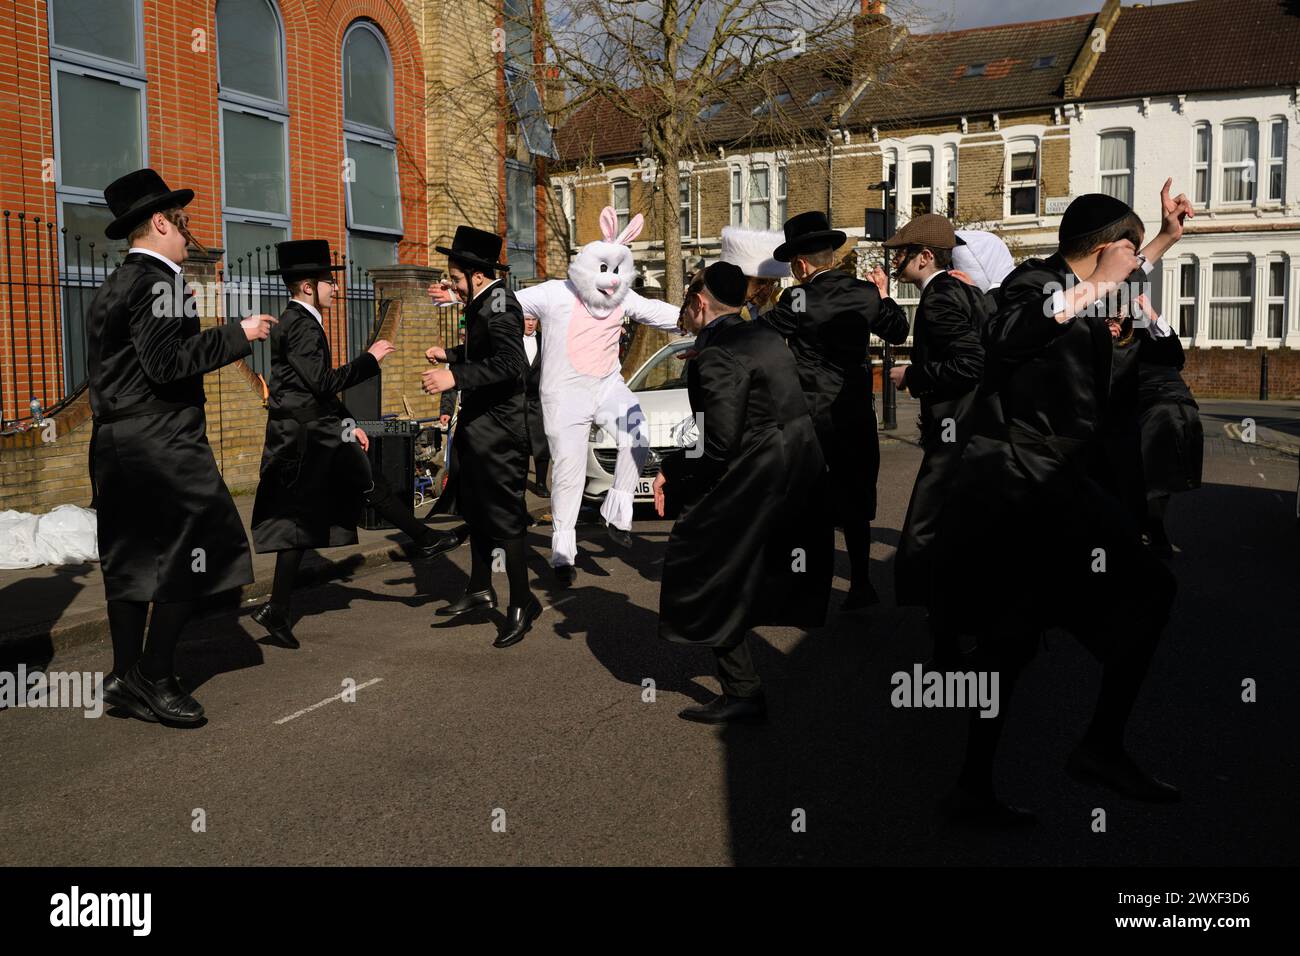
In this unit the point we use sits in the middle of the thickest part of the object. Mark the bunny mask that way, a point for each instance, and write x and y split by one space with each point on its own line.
602 272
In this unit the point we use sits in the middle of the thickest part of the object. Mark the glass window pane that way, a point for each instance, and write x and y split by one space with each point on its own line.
1276 278
758 182
1275 181
101 27
250 248
1118 186
375 197
1277 147
1115 151
99 130
519 34
1202 185
1187 280
248 48
365 253
367 81
253 154
1024 201
1231 280
1024 166
521 206
1276 320
88 223
1203 144
523 263
922 175
921 204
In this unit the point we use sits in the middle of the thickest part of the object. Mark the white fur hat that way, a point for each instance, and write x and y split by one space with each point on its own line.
751 250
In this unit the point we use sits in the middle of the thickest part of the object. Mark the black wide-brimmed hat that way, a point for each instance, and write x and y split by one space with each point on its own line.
808 232
302 259
136 196
1089 213
475 247
727 283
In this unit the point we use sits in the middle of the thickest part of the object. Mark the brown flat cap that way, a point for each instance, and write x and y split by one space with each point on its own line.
929 229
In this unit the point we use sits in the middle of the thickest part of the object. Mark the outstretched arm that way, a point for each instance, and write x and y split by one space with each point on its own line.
652 312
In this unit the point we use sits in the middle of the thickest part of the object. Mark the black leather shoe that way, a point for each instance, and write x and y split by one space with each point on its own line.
541 490
565 574
277 624
860 597
729 710
620 537
436 543
469 601
518 621
120 697
165 697
1121 774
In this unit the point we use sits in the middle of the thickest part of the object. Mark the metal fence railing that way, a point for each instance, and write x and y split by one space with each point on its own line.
48 277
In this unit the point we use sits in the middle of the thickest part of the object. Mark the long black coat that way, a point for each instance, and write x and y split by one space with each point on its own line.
751 499
1170 419
1026 522
946 370
828 322
312 478
168 528
490 445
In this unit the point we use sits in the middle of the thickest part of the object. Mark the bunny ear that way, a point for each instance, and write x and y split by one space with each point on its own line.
632 230
608 223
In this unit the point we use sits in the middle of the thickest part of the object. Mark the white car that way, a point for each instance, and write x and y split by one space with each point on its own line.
660 387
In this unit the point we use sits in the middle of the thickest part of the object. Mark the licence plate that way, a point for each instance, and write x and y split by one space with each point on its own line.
644 488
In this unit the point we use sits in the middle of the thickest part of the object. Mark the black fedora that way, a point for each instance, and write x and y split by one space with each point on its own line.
302 258
476 248
808 232
136 196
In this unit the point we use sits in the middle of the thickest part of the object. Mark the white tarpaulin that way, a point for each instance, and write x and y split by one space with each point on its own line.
66 535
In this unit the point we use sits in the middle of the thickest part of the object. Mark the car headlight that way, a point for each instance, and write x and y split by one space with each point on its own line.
594 434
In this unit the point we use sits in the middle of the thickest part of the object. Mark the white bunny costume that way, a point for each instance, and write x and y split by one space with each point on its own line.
581 321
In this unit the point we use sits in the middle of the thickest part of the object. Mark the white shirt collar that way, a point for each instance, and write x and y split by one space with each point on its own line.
485 288
157 255
308 306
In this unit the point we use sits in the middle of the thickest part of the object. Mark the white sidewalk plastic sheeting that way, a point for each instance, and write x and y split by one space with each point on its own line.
66 535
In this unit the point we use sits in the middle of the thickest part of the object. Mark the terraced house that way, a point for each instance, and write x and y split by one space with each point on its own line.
998 128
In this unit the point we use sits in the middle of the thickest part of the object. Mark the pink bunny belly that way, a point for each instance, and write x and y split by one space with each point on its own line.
592 342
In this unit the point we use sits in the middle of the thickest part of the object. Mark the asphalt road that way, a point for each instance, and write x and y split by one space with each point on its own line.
553 737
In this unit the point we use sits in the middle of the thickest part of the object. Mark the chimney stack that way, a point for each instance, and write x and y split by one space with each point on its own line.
872 31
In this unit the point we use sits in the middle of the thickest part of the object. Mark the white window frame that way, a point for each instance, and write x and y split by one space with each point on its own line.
782 194
1248 299
1206 165
1017 147
1127 173
1225 166
684 207
622 215
950 182
736 174
920 154
1269 162
751 200
1269 299
1181 301
740 174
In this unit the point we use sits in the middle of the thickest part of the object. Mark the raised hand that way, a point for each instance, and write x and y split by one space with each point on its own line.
258 327
381 349
880 280
435 353
1173 211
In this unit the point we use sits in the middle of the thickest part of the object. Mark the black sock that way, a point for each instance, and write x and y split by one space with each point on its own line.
857 541
517 570
382 499
480 563
126 621
286 572
158 659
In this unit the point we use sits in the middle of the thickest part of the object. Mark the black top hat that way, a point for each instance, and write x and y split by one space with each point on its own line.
807 232
727 283
302 258
136 196
477 248
1090 212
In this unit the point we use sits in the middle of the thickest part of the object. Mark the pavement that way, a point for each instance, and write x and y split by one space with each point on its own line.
385 740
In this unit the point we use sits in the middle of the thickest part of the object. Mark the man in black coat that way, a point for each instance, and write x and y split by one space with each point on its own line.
168 529
490 445
1029 538
754 544
315 474
945 371
538 445
828 320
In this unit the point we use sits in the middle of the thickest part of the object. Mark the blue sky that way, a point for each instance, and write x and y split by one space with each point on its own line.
961 14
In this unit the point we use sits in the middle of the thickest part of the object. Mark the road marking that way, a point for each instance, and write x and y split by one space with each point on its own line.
338 696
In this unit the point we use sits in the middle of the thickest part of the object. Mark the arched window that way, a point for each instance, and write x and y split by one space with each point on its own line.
254 134
374 199
1115 164
920 166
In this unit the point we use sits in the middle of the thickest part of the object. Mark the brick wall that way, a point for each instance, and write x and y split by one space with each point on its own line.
1235 373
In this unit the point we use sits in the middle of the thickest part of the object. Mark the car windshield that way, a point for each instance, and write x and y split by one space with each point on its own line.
666 371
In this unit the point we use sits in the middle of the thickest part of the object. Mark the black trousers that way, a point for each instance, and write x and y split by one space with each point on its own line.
736 670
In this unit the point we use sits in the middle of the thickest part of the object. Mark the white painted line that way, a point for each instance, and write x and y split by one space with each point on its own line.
559 602
338 696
